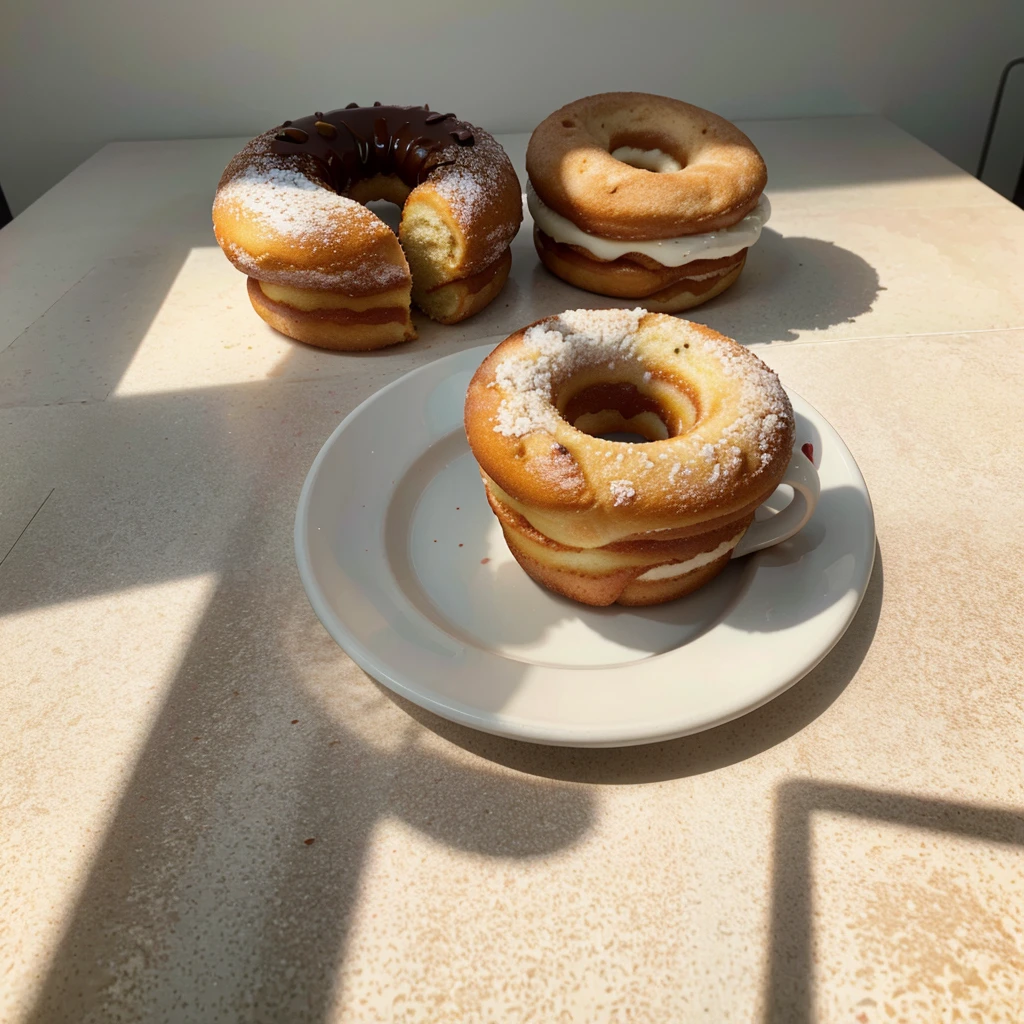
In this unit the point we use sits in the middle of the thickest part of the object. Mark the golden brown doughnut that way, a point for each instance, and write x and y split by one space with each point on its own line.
323 268
640 196
604 521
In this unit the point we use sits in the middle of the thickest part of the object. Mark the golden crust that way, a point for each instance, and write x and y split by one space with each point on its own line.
570 165
663 289
616 588
641 593
611 575
638 553
338 328
278 222
726 427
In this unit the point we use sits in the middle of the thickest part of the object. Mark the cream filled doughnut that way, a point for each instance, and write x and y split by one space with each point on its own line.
640 196
605 521
323 268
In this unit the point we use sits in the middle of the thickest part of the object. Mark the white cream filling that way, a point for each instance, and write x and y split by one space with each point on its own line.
647 159
673 569
669 252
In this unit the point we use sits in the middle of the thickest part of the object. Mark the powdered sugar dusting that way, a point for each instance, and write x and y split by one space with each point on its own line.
286 196
734 438
554 349
286 201
623 491
473 186
764 415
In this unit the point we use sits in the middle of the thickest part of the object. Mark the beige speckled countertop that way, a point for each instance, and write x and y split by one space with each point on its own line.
178 727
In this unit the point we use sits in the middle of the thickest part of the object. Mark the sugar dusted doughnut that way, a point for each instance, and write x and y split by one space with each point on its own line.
640 196
605 521
322 268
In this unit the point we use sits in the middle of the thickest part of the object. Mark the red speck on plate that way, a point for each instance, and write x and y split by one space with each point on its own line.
808 449
484 561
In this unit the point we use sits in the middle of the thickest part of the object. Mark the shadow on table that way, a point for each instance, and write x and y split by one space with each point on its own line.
790 996
227 881
727 744
791 285
118 299
204 893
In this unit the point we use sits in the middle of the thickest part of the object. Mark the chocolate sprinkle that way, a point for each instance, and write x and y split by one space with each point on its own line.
296 135
360 142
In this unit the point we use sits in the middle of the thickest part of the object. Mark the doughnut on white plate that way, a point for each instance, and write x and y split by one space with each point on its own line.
406 567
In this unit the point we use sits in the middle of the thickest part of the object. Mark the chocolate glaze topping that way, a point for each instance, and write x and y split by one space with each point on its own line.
359 142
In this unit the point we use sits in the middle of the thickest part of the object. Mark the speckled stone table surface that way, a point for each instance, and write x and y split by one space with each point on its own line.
208 813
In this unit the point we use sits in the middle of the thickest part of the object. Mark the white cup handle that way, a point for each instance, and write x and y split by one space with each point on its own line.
803 478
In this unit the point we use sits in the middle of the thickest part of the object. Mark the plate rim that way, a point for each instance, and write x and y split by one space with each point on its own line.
502 724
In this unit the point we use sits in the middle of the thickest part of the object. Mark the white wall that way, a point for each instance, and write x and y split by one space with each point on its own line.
75 74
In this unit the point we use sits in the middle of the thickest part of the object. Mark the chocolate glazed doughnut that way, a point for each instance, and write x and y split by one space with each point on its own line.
323 269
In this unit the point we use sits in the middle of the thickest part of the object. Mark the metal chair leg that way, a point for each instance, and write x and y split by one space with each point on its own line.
1018 192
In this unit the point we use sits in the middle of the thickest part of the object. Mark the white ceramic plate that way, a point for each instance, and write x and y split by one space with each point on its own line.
405 565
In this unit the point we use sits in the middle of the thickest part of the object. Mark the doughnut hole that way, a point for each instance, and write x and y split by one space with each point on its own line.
648 151
384 195
652 410
647 160
388 188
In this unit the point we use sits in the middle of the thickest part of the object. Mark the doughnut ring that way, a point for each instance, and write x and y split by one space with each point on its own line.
604 521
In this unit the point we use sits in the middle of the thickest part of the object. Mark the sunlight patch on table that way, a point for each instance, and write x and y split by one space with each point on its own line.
206 334
87 680
907 924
